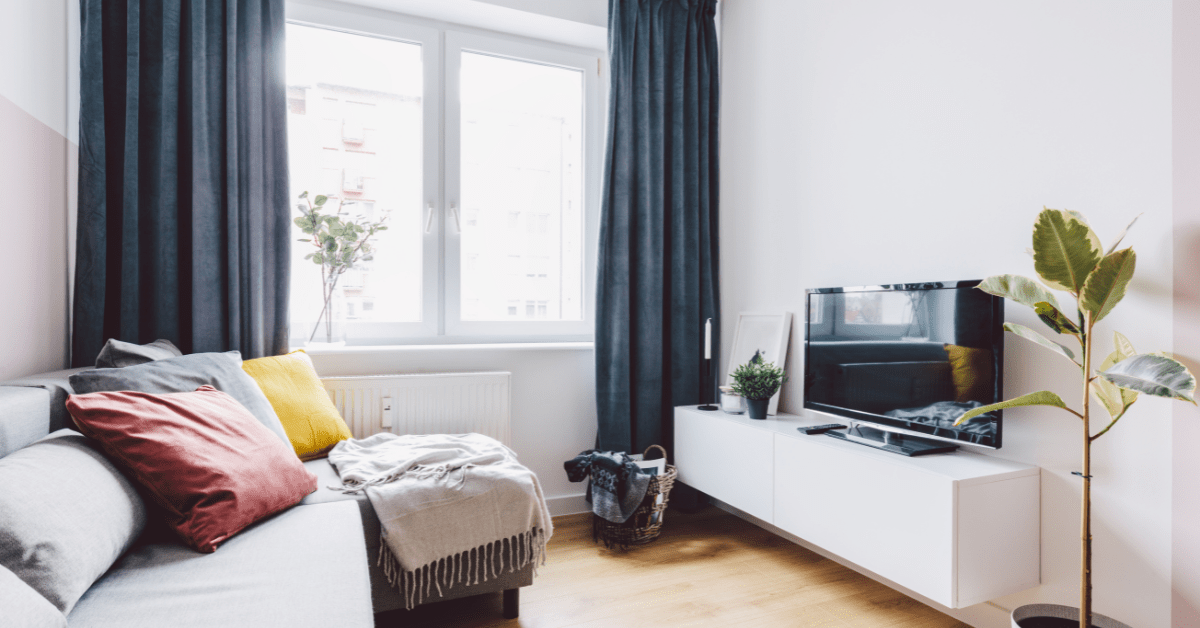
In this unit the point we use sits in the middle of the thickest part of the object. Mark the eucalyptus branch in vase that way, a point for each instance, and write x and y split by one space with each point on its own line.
341 244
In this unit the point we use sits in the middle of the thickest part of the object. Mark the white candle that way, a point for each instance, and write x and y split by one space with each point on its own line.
708 339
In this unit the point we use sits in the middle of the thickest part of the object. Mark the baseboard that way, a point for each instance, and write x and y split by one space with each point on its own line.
986 615
567 505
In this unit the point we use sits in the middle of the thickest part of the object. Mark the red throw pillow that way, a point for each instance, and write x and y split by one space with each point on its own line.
202 455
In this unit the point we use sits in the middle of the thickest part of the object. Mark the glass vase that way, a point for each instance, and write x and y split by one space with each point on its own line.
330 328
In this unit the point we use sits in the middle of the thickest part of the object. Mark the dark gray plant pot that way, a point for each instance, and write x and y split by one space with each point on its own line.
758 408
1032 612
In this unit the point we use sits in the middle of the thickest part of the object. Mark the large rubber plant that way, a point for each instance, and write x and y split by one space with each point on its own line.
1068 257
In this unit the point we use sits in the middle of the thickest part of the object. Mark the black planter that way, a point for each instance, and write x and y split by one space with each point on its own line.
758 408
1055 615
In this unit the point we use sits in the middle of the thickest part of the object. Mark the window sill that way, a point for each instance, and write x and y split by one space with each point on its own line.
490 347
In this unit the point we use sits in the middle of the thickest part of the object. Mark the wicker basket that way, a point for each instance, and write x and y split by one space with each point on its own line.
644 525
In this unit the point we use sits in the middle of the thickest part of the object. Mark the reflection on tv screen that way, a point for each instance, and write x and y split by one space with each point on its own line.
912 358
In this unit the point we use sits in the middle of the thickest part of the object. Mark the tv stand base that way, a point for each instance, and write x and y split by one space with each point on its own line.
902 444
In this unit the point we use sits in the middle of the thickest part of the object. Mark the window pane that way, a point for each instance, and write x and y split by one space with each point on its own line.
355 135
522 185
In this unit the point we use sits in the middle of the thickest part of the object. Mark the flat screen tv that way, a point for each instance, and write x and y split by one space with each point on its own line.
907 359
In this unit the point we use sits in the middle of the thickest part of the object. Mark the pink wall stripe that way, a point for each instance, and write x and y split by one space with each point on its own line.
1185 487
33 211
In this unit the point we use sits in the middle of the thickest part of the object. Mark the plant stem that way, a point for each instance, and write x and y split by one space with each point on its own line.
1110 424
1085 593
325 314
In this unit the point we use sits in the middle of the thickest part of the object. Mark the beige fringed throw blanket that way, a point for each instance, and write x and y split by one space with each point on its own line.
454 509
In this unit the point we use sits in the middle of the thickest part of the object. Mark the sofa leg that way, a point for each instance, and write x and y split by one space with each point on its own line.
512 603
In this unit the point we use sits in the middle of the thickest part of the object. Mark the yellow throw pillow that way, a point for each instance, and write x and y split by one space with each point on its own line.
310 419
971 372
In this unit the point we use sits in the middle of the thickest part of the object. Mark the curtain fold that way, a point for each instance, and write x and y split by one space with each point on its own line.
184 227
657 267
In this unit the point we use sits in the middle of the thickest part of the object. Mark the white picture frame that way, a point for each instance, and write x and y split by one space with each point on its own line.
767 333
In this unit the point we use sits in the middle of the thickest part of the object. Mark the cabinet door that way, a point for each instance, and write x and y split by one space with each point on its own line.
730 461
890 518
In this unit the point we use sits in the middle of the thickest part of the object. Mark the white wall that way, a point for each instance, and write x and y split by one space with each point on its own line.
33 170
879 142
553 398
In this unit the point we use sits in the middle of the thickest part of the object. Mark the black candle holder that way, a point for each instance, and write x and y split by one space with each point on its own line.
708 387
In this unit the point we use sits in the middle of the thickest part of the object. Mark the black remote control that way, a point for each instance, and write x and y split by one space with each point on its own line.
820 429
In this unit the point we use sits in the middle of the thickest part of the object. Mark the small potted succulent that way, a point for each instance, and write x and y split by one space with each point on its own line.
757 381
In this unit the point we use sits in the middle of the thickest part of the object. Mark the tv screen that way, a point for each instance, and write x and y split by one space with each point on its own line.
907 357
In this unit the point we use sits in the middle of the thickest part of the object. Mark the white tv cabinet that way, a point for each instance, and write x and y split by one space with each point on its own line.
959 528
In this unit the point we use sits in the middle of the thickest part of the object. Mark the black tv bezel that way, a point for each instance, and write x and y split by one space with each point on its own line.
896 425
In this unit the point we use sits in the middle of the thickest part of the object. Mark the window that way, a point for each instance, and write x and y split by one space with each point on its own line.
480 153
359 120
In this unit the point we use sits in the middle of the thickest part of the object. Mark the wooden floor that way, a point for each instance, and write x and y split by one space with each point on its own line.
707 569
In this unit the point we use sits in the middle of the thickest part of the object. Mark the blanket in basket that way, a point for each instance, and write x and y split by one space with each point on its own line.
454 509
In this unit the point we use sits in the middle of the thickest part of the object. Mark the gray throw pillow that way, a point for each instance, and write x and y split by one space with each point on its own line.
222 371
117 354
66 515
25 607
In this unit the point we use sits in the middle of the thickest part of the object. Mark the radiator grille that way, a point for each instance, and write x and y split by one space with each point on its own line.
426 403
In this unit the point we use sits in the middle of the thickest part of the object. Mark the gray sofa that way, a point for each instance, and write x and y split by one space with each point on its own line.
312 565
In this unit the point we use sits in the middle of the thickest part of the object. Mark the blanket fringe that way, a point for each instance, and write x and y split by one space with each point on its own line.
471 567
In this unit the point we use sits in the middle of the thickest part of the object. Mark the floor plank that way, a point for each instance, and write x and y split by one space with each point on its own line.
707 569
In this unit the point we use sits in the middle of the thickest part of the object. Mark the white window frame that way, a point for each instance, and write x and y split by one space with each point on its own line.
441 47
362 332
456 44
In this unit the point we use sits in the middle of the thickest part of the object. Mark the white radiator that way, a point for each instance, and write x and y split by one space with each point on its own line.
425 403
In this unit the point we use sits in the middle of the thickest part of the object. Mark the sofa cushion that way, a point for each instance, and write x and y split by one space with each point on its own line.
290 382
26 417
66 515
117 354
304 567
222 371
58 384
25 607
205 459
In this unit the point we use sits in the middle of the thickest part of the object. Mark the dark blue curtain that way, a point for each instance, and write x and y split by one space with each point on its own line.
657 275
183 228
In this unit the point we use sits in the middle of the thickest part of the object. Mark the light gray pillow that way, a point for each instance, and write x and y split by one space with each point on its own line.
25 607
222 371
118 354
66 515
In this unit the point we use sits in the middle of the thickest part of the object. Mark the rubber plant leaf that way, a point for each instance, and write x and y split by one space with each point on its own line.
1065 250
1153 374
1023 290
1105 286
1122 346
1055 319
1033 336
1040 398
1109 396
1115 399
1083 219
1112 247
